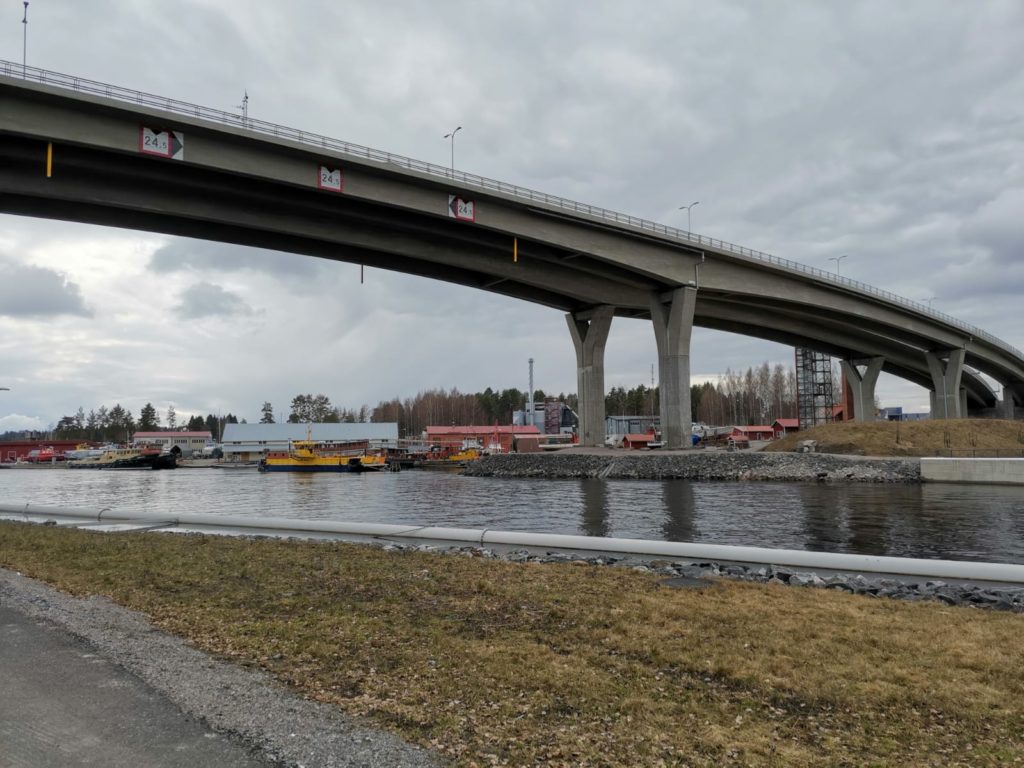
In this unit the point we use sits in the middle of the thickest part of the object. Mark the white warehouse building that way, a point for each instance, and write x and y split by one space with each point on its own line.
247 442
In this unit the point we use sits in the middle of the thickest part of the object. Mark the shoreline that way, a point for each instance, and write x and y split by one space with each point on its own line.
708 465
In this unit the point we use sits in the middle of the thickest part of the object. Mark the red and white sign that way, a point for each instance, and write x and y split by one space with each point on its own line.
461 209
331 180
154 141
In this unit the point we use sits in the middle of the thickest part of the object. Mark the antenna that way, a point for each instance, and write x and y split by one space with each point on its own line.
529 396
244 106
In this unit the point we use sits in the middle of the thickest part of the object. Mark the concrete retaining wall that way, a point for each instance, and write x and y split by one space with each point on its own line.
999 471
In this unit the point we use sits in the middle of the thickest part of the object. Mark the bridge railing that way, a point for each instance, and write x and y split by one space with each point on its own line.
83 85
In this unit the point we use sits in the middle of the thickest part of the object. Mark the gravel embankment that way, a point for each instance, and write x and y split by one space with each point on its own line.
699 465
239 702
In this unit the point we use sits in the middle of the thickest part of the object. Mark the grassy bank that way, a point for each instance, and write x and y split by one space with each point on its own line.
983 437
495 663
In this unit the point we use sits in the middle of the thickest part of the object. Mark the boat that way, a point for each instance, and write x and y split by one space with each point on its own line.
128 458
451 457
311 456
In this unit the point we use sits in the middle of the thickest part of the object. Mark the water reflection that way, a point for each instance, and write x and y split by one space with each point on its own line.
931 521
594 493
680 511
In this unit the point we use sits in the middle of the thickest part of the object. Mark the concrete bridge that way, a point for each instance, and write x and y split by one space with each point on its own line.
78 150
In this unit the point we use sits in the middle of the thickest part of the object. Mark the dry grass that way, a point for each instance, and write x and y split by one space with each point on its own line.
494 663
911 438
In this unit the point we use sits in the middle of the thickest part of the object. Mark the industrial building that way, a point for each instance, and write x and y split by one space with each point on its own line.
247 442
186 443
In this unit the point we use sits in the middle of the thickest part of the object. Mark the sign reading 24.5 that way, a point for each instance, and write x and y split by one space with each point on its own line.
461 209
163 143
331 180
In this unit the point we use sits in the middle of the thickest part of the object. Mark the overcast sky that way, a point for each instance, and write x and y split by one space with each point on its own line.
889 132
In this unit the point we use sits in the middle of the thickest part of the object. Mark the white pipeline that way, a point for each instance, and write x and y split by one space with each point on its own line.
282 526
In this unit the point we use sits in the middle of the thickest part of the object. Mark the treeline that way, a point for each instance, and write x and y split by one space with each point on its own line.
756 396
117 424
315 409
439 407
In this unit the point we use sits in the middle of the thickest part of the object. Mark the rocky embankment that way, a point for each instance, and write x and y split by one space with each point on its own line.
695 574
699 465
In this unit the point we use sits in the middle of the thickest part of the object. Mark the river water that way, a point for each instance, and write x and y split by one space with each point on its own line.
958 522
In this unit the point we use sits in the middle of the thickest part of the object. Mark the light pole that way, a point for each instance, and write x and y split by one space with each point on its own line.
687 209
452 137
933 298
24 39
837 259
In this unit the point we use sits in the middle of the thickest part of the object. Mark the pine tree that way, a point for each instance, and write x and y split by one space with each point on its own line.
268 414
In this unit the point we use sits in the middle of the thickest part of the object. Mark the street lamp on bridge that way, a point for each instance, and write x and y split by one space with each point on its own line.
452 137
837 259
930 300
687 209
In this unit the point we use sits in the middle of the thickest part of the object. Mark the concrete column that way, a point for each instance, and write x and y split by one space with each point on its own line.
673 326
862 385
589 331
1005 406
963 404
946 375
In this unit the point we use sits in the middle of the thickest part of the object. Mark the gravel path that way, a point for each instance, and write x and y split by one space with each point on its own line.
241 703
699 465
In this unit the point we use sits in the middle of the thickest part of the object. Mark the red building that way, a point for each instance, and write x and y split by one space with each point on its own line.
491 438
760 432
13 450
638 440
782 427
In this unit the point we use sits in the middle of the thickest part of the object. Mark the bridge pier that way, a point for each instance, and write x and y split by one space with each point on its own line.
862 385
673 326
1005 406
589 331
947 398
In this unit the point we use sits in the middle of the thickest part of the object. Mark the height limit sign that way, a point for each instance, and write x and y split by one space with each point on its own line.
163 143
330 179
461 209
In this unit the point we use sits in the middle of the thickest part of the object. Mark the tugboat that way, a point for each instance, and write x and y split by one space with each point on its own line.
310 456
128 458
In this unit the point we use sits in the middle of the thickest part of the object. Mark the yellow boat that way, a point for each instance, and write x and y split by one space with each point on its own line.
310 456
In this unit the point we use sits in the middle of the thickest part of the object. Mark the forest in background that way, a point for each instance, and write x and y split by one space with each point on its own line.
758 395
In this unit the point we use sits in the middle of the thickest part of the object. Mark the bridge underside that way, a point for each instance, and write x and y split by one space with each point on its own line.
241 187
122 190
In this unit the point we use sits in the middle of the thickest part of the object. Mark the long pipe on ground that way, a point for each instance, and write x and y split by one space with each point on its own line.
794 558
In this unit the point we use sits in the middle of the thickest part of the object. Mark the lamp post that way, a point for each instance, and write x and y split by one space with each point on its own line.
452 137
24 39
687 209
930 300
837 259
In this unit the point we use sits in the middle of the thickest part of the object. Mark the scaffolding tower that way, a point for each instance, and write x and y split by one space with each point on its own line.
814 395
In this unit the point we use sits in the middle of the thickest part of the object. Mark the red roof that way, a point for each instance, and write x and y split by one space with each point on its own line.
478 430
788 423
173 434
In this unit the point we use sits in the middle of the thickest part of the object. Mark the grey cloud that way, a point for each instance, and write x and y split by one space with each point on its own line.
997 228
182 255
30 291
209 300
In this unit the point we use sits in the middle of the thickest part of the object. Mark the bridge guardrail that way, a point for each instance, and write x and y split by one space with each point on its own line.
83 85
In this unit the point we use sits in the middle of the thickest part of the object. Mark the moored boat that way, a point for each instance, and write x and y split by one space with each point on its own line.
310 456
128 458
